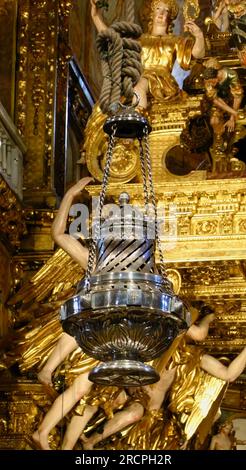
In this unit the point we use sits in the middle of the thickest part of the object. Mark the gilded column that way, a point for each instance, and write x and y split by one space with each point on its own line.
64 55
39 24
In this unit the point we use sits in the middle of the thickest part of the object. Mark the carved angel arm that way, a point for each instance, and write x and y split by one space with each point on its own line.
213 443
96 17
221 18
198 50
200 332
69 244
217 369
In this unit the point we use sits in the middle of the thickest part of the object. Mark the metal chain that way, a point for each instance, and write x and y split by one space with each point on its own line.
153 199
109 157
145 162
144 176
93 244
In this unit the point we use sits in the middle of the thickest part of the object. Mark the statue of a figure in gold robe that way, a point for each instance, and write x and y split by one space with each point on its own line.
160 49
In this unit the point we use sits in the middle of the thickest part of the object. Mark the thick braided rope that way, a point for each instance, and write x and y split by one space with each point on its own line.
121 62
110 48
130 30
130 13
131 67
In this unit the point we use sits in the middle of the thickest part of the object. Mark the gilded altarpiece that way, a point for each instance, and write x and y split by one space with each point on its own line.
204 237
8 23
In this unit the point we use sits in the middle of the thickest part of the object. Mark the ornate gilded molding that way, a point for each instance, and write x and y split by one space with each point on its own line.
23 264
37 46
191 10
19 413
206 274
235 398
12 225
202 222
38 223
38 217
167 121
225 289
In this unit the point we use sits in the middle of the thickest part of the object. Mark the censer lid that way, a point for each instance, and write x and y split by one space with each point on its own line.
128 122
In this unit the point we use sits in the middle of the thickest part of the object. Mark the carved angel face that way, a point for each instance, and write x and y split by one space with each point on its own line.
161 13
170 5
226 427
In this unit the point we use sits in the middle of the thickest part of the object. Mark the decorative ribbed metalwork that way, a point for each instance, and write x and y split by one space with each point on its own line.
132 246
125 312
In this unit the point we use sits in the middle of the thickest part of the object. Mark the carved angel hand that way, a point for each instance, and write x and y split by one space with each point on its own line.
192 28
96 15
94 8
230 124
222 6
79 186
96 5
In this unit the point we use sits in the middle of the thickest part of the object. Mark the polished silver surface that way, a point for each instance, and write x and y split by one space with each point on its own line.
125 316
158 302
126 289
124 332
125 255
125 312
134 373
129 124
152 280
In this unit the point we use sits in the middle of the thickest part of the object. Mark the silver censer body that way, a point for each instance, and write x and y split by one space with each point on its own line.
125 312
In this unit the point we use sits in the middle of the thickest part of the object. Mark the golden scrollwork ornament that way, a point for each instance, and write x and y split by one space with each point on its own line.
191 10
125 164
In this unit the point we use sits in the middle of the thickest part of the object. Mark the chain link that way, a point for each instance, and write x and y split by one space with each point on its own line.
149 196
98 212
153 200
144 176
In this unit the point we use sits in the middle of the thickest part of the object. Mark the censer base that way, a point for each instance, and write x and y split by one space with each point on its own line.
124 373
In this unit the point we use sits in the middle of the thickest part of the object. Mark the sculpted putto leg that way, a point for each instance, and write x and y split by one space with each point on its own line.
135 411
61 406
78 253
78 423
77 426
65 346
130 415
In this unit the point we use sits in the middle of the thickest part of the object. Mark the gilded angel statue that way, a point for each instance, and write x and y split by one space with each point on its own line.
160 50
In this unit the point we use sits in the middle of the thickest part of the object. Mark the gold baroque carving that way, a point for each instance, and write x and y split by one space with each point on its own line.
39 217
125 163
175 277
37 37
65 7
191 10
207 227
242 226
206 274
37 43
12 223
19 413
21 98
208 218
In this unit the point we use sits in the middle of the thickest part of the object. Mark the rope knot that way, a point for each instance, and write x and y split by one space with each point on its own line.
121 62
